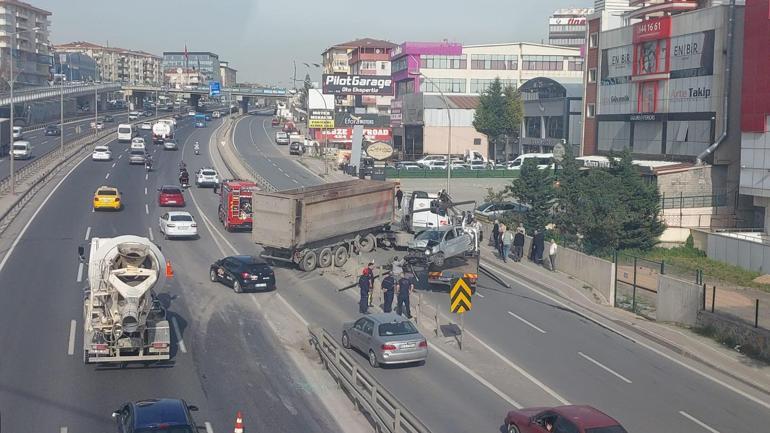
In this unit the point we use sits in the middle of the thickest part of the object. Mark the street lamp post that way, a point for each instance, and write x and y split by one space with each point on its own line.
10 83
449 140
61 111
96 109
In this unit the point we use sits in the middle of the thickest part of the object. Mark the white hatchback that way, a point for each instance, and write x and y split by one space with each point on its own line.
178 224
137 143
101 153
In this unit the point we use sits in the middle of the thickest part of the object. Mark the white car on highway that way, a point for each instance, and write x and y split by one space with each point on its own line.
206 177
146 126
137 143
133 115
101 153
178 224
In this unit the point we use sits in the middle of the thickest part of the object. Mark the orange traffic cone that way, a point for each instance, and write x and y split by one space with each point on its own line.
169 270
238 423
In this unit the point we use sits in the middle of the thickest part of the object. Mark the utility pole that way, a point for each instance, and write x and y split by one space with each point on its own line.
10 81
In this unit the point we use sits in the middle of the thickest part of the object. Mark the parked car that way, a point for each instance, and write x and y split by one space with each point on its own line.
164 415
101 153
544 160
53 130
206 177
494 210
458 165
178 224
295 148
281 137
573 419
429 158
435 165
385 338
478 165
243 273
170 195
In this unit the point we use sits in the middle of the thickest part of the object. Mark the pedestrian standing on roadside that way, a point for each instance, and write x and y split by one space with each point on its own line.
399 196
496 233
539 241
552 255
507 242
518 244
397 267
503 229
388 289
405 289
365 286
531 254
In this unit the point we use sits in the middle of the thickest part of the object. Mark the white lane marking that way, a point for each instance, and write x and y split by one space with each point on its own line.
607 369
479 294
697 421
476 376
146 176
120 156
604 323
63 430
182 347
107 176
281 170
80 272
113 164
145 190
88 232
146 209
527 322
209 429
71 342
149 230
295 181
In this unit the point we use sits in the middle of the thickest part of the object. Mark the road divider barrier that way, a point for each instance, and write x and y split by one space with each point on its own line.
233 160
380 407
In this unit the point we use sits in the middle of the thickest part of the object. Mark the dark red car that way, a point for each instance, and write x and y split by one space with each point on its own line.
275 122
170 196
572 419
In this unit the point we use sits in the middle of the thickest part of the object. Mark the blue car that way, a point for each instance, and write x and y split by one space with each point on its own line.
200 124
208 117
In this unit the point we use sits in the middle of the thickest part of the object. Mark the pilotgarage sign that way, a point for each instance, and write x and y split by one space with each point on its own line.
357 85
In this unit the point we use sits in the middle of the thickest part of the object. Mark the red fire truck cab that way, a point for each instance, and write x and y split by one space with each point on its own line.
235 204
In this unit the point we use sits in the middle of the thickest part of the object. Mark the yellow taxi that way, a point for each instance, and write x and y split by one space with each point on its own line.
107 197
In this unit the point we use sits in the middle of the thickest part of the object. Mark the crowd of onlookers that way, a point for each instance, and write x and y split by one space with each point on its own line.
509 243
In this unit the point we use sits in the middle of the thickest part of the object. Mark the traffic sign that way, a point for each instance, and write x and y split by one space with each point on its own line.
214 88
460 297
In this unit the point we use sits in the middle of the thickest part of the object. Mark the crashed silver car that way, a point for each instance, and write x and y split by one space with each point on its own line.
434 246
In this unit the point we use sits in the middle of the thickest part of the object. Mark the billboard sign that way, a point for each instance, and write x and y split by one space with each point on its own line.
346 134
319 118
396 117
692 55
567 21
381 85
370 120
214 88
652 29
618 65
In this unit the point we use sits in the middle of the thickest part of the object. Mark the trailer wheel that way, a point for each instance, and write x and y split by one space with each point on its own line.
309 261
325 258
367 243
340 255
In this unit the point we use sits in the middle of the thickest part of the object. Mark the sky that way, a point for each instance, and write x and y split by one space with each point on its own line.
261 38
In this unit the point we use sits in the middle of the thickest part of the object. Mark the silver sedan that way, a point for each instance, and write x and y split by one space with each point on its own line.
386 338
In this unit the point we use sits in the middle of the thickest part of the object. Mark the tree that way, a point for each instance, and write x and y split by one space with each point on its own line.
499 112
496 197
534 188
570 194
303 95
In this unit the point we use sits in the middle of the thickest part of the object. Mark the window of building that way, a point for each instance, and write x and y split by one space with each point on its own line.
405 87
444 62
542 63
368 65
495 62
592 75
446 85
590 110
555 126
478 86
574 63
533 126
593 40
477 141
399 65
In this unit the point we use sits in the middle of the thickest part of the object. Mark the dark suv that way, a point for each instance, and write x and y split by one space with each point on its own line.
243 273
295 148
52 130
164 415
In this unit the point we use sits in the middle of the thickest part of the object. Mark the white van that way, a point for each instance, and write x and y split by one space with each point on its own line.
418 221
125 132
544 160
21 150
17 133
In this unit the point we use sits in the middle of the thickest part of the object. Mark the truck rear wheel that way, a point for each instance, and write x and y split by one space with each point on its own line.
309 261
340 255
325 258
367 243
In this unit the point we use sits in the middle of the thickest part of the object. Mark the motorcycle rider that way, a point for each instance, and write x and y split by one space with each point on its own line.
148 162
184 178
197 148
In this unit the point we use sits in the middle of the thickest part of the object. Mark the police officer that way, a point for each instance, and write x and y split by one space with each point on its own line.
370 299
365 286
388 288
405 288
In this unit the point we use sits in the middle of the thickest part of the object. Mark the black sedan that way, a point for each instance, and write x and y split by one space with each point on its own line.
243 273
108 119
156 415
53 130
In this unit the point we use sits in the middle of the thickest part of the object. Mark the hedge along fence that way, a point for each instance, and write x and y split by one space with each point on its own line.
393 173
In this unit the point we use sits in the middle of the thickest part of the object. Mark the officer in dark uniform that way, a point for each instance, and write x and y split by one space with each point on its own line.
405 288
365 285
388 287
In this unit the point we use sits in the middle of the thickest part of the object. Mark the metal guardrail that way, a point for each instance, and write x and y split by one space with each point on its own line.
55 91
382 408
259 91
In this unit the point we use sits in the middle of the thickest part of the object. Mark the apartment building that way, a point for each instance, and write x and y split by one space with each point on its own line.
118 64
24 28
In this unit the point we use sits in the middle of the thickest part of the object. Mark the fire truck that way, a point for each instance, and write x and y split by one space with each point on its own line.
235 204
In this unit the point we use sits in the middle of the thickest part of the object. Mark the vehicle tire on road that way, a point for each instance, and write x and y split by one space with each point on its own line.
340 256
345 340
325 258
367 243
511 428
373 359
309 261
213 276
438 260
237 287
